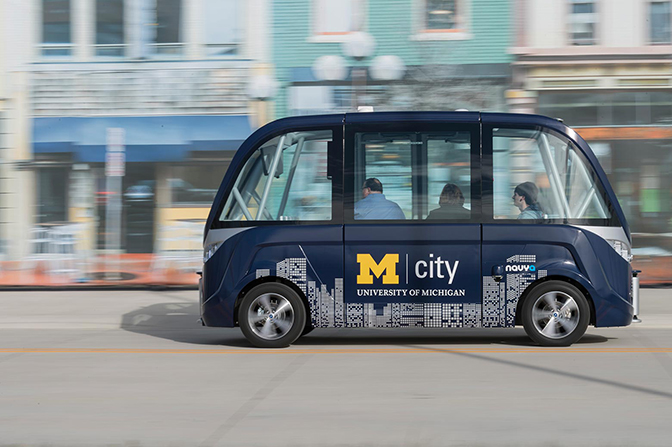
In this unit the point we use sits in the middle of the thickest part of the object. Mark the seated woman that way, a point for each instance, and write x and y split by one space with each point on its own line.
525 199
450 204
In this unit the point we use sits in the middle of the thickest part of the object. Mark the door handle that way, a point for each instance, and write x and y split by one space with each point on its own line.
497 272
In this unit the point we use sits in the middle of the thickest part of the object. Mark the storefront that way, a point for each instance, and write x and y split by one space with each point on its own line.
631 133
174 165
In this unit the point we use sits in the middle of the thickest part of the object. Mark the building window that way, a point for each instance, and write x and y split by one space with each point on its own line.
52 195
622 108
109 27
56 34
582 23
167 39
659 20
441 19
195 185
441 15
223 38
337 17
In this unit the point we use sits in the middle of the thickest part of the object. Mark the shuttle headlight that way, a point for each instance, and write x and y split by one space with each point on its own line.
621 248
210 250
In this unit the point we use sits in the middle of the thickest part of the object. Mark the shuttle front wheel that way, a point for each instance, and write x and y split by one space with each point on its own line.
272 315
555 313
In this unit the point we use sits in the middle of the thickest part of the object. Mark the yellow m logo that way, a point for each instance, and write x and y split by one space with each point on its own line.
367 266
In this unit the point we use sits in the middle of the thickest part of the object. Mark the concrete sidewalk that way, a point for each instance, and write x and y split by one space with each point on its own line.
126 270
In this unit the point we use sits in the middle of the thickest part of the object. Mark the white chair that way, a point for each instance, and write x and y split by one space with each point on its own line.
40 255
63 246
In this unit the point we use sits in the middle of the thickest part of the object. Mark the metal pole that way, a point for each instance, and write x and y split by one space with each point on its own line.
290 176
271 174
635 296
113 227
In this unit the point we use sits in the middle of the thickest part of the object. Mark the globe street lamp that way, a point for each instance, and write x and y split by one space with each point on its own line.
261 87
358 46
330 68
387 68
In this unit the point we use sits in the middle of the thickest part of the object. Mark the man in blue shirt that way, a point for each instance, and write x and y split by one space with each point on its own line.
374 205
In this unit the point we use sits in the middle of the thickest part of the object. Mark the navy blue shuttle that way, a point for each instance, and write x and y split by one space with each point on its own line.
442 219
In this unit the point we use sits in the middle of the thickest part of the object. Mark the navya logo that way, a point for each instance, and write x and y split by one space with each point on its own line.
387 267
521 268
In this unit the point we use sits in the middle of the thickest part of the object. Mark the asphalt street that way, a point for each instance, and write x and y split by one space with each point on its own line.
133 368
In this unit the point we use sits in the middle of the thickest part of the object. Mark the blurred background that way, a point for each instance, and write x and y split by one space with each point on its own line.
118 118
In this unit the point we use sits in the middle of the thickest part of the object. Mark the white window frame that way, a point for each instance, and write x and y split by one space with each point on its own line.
238 43
42 46
169 50
317 36
572 19
421 33
649 30
123 46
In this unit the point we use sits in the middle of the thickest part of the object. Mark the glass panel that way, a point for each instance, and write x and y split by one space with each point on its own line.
337 16
110 27
56 26
384 179
660 22
168 21
603 109
222 37
582 23
449 174
582 8
52 202
294 186
540 175
196 185
413 175
440 14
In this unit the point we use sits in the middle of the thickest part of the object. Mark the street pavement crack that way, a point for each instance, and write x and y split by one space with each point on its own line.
255 400
663 359
573 375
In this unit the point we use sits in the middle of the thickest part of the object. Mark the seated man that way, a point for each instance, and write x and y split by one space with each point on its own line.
525 199
451 203
374 205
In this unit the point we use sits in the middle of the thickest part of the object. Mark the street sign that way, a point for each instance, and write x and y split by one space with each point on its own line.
115 169
115 156
115 164
116 139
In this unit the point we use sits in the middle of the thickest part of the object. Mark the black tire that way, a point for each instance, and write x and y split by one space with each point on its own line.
259 324
555 313
307 330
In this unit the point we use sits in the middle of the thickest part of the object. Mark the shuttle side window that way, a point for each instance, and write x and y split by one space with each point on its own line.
539 175
413 176
285 179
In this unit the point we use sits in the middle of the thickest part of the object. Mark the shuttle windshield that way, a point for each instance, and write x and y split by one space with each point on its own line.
549 171
285 179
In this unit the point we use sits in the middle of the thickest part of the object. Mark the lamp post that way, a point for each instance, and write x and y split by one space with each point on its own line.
358 46
261 87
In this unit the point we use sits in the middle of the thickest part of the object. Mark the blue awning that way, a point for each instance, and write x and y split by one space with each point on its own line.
148 138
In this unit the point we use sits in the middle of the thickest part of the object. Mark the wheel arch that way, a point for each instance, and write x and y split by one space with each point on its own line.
265 280
545 279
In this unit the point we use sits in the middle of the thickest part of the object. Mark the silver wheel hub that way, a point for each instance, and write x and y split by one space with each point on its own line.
555 315
271 316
